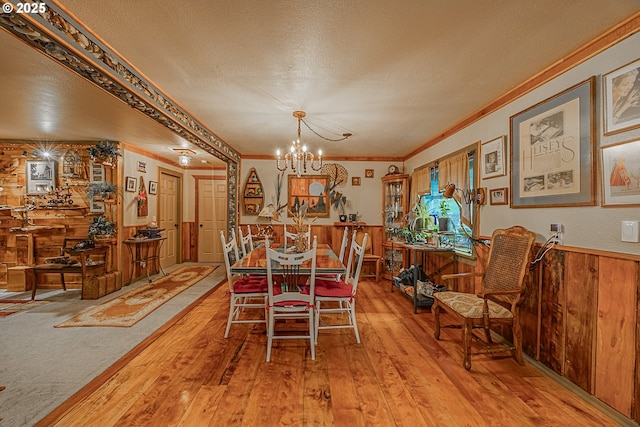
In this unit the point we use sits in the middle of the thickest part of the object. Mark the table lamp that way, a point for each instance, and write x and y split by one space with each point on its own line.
267 212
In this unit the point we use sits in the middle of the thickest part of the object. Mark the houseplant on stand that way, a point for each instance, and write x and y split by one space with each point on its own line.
101 228
105 152
104 189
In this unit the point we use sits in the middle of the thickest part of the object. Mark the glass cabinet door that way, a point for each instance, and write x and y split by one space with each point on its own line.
394 189
395 196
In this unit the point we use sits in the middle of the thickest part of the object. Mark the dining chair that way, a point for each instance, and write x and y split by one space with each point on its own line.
287 235
498 302
370 259
343 249
341 294
245 292
246 242
291 294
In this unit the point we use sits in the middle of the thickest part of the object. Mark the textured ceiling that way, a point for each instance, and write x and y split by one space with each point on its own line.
394 74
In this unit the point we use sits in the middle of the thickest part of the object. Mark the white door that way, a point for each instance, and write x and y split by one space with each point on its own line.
169 218
207 234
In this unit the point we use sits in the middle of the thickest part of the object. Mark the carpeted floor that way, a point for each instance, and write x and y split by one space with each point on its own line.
13 306
42 366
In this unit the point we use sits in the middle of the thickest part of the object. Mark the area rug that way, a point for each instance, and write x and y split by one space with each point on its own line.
11 306
128 309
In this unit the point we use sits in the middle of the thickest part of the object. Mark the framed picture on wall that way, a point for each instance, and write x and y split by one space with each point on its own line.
130 184
492 158
621 174
97 204
499 196
355 180
553 151
97 172
309 190
153 187
41 176
621 98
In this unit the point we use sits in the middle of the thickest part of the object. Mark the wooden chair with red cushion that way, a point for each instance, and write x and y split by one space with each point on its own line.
291 294
245 292
338 297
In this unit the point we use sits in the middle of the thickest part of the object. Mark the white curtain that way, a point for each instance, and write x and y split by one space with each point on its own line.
455 170
420 184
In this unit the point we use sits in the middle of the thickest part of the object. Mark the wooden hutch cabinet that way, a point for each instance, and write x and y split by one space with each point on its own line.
395 206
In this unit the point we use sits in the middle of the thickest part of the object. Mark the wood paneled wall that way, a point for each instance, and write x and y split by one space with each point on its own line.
57 220
579 318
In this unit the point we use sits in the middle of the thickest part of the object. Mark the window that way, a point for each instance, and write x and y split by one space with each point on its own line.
453 231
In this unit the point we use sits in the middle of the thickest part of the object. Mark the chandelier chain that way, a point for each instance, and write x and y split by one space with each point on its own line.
344 136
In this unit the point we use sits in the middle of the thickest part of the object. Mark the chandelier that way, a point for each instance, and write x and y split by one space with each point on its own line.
298 157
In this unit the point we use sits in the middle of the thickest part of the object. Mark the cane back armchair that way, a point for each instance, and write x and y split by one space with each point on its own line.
498 301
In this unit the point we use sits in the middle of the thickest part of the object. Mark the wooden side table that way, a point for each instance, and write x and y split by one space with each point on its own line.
144 251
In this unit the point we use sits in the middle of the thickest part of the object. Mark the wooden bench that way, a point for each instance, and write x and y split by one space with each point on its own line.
86 266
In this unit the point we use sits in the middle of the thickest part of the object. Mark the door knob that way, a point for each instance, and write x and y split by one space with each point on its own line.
200 225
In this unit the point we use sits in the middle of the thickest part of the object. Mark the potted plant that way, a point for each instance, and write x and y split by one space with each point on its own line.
101 228
443 218
339 201
104 189
105 152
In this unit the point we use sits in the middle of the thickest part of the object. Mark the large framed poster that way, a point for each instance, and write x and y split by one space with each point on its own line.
553 151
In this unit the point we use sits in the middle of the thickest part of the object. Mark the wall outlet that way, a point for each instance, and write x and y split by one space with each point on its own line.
555 228
631 231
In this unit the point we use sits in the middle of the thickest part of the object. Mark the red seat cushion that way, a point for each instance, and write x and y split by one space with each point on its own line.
331 288
250 285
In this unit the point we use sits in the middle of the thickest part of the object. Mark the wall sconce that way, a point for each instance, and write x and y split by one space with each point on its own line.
184 158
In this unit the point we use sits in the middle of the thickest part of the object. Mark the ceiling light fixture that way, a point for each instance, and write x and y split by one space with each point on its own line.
184 158
298 157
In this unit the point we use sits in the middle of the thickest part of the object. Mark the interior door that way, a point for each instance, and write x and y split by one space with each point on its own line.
207 233
169 218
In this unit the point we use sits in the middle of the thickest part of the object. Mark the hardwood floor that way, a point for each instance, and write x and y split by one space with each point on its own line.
187 374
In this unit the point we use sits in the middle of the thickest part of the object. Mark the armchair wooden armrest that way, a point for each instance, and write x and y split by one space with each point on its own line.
460 275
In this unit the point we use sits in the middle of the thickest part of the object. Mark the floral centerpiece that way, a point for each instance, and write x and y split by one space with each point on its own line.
301 228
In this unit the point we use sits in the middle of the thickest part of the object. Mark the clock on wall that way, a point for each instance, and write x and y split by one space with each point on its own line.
393 169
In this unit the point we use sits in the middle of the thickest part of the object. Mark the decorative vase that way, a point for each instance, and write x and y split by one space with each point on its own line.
343 218
301 241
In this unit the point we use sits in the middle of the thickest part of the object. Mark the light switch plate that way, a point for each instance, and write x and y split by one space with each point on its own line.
631 231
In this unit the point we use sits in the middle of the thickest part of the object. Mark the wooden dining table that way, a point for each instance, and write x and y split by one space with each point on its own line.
255 262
